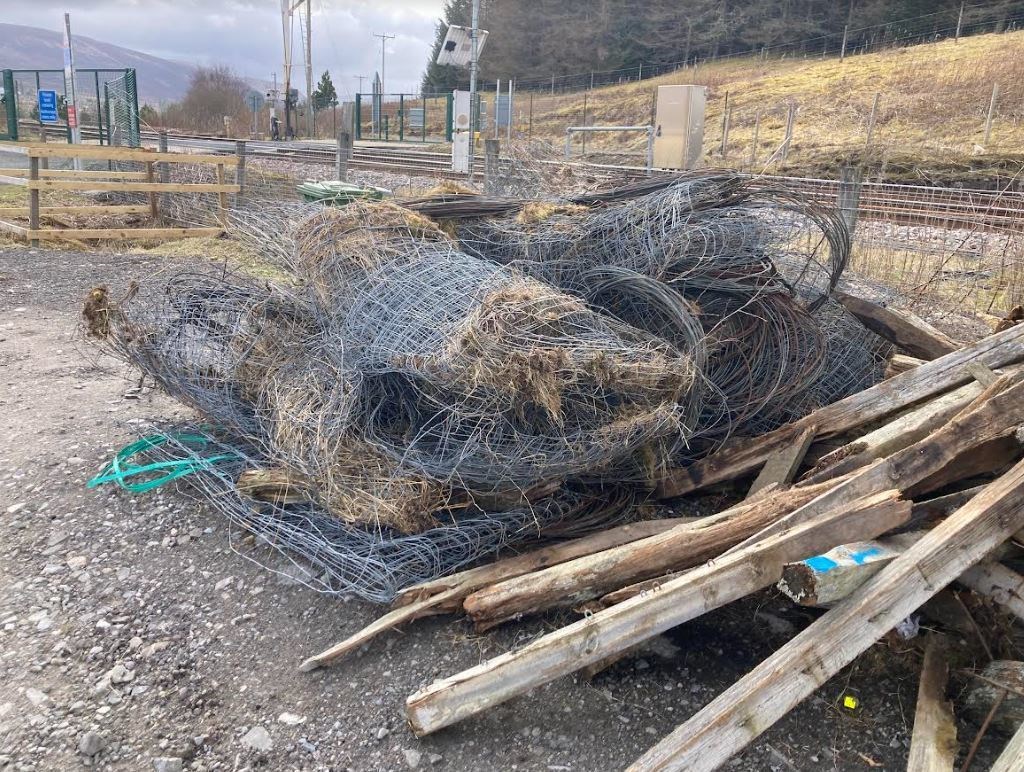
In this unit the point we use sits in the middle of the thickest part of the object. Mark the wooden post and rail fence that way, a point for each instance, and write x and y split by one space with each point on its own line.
155 182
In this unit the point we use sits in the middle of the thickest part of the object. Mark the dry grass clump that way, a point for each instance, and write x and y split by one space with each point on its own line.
539 211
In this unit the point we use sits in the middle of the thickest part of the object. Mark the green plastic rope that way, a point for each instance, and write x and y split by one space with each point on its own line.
120 470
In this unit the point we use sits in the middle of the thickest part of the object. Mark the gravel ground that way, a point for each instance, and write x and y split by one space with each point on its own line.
136 634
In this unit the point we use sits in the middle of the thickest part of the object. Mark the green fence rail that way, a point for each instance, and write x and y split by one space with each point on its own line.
403 117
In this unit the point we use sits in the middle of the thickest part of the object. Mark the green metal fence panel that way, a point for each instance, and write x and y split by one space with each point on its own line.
9 127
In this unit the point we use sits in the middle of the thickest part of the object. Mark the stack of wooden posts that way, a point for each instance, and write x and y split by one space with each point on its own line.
910 486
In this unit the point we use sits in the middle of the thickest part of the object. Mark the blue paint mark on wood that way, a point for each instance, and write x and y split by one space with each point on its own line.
821 564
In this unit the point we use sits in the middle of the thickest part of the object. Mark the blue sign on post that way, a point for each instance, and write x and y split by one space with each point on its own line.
48 107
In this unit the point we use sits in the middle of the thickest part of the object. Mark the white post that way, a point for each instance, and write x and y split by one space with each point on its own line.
959 24
497 98
69 88
508 126
842 53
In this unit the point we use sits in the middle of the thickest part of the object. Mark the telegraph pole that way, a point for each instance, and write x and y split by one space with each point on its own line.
286 28
310 113
361 78
383 40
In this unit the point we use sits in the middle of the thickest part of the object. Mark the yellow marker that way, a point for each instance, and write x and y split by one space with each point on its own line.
850 702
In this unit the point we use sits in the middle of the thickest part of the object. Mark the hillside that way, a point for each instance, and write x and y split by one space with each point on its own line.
932 105
36 48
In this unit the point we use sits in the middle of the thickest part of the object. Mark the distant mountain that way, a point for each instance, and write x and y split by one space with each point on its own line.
159 80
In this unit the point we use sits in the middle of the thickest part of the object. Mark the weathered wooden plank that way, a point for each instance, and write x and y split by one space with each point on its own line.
793 672
8 179
933 743
107 153
895 435
75 173
14 211
975 440
901 328
12 228
123 233
576 581
900 391
781 467
131 185
602 634
446 594
900 363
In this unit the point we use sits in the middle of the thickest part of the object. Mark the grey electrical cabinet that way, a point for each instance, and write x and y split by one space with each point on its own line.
679 127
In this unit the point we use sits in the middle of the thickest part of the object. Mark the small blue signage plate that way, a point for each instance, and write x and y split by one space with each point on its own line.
48 107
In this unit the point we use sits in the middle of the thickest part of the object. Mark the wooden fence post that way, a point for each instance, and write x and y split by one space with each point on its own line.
753 145
240 172
33 199
491 148
872 117
991 112
164 169
152 196
222 209
790 121
850 181
344 153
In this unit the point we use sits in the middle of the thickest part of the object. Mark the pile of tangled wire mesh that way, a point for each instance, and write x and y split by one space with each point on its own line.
414 393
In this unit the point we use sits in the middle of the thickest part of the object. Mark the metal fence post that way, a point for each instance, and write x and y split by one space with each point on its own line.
491 147
850 181
240 171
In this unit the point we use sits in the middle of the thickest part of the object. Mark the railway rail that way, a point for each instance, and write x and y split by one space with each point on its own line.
917 205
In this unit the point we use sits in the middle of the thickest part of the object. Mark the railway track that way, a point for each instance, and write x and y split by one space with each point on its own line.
915 205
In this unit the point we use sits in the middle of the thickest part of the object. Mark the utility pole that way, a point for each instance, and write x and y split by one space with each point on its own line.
286 30
361 78
310 108
473 65
384 38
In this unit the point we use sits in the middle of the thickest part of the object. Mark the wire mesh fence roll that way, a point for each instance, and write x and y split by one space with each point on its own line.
408 397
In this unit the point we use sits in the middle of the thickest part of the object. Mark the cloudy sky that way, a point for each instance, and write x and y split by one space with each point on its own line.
247 35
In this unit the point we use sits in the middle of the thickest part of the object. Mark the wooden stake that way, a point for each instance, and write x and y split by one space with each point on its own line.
773 688
446 594
576 581
596 637
933 744
901 328
781 467
926 381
